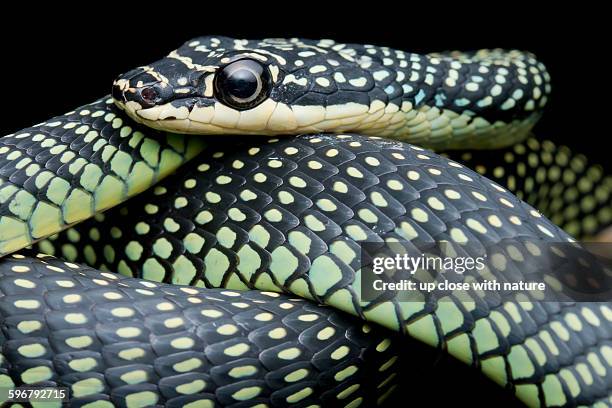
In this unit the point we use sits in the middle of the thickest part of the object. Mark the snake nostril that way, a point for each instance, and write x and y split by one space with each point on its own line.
149 95
117 93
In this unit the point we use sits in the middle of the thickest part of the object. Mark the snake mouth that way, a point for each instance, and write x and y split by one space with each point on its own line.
216 119
204 116
210 117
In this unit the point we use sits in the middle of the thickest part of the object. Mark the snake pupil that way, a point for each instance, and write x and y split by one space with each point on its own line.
242 84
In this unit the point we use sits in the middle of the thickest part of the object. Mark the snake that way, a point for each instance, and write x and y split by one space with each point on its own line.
245 175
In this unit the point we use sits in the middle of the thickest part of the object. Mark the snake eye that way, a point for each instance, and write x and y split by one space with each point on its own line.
242 84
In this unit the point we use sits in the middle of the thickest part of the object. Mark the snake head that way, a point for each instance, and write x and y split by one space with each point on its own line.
214 85
174 93
220 85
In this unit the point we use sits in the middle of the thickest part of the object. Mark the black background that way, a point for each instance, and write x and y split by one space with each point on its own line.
54 62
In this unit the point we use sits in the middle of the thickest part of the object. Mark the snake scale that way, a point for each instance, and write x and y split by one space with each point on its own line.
287 215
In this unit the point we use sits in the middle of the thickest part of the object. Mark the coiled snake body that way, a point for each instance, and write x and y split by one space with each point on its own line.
280 215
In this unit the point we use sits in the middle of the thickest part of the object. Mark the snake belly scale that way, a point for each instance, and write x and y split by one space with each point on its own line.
284 216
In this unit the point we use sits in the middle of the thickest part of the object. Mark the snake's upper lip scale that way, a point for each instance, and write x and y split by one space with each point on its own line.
160 112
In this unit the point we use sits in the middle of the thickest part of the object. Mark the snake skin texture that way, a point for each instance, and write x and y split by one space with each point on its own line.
289 215
573 193
67 169
482 99
117 341
283 215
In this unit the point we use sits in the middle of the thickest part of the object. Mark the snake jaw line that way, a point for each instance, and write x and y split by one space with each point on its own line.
430 127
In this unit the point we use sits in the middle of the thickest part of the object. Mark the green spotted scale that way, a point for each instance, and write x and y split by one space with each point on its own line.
279 215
